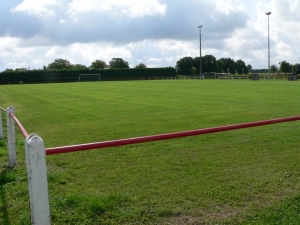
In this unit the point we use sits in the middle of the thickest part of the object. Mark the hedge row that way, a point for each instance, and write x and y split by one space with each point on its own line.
51 76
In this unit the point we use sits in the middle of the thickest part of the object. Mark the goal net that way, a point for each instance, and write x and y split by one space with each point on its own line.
89 77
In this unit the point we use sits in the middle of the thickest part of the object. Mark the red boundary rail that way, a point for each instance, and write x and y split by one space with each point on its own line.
158 137
36 166
114 143
24 132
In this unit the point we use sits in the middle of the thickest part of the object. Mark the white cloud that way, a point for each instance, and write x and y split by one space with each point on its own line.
167 45
173 50
7 44
229 6
37 8
156 32
18 56
285 53
154 60
79 53
144 8
129 8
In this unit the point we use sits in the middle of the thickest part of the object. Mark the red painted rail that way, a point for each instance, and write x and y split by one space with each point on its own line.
24 132
114 143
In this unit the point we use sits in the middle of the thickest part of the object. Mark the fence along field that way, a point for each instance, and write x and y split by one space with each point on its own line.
171 184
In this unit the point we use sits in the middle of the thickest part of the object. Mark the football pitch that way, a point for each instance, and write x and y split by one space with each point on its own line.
248 176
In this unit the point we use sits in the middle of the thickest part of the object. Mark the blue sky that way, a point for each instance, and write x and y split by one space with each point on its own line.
34 33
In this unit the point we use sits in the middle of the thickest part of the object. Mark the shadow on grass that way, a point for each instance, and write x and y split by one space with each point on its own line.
5 177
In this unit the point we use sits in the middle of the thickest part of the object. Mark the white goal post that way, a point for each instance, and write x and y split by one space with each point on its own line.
89 77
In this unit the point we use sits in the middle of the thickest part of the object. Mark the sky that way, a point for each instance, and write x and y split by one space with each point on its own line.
33 33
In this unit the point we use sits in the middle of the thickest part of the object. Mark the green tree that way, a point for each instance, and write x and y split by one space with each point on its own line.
141 66
8 70
208 63
249 68
273 69
241 67
285 67
184 65
59 64
98 64
296 69
193 70
227 65
21 69
118 63
78 67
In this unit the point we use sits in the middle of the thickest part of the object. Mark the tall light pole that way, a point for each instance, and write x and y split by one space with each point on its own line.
268 14
200 50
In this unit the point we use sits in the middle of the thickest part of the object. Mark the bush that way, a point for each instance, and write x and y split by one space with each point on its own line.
66 75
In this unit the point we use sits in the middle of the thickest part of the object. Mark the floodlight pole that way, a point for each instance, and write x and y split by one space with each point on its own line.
268 14
200 50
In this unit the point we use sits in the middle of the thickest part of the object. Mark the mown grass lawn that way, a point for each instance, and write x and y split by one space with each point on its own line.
242 176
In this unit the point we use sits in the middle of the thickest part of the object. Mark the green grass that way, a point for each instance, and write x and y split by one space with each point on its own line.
242 176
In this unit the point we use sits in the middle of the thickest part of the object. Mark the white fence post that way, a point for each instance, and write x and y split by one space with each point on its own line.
11 137
37 180
1 126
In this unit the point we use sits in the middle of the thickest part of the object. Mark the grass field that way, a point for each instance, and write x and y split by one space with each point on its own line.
248 176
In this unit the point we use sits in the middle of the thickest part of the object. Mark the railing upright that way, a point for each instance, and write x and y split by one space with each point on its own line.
11 137
1 126
37 180
36 156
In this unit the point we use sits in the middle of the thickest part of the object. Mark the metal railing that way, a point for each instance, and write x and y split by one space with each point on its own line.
36 155
35 164
136 140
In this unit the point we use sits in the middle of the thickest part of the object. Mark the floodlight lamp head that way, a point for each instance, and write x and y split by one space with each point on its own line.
268 13
199 26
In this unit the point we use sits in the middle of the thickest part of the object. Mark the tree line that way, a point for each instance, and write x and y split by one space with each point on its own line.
191 66
64 64
184 66
71 75
285 68
62 70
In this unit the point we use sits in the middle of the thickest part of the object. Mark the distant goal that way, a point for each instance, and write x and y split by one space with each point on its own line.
89 77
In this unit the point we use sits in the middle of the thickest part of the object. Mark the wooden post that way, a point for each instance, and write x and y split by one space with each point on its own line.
1 126
37 180
11 137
